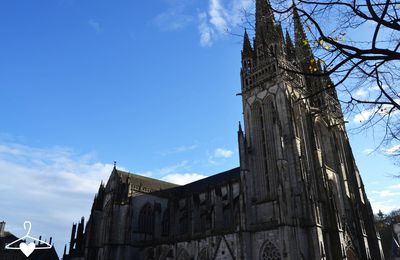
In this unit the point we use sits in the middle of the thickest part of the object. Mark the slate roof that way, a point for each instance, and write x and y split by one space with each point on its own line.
143 181
163 188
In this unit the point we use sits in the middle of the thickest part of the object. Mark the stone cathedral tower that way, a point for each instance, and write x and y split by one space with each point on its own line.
301 185
297 194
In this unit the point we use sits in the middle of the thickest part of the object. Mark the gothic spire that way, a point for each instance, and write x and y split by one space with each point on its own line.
303 49
299 33
289 47
247 50
265 20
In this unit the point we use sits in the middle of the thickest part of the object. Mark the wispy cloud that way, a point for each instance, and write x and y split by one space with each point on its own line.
178 149
221 17
51 187
222 153
377 88
386 193
378 110
178 173
367 151
205 30
385 199
385 206
174 18
219 155
172 21
396 186
364 115
361 93
392 150
181 166
95 25
183 178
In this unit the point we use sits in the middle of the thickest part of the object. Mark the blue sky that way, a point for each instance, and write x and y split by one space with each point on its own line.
148 84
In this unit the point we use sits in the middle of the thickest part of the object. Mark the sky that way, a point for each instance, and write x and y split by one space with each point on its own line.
149 84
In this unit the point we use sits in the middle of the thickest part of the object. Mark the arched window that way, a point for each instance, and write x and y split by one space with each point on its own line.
273 143
183 216
203 254
351 255
183 255
270 252
264 143
165 223
259 143
146 219
327 146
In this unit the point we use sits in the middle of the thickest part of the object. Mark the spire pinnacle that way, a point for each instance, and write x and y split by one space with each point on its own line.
247 49
300 35
280 31
289 46
303 49
264 15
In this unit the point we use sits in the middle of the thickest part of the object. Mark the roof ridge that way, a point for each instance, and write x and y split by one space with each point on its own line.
145 177
211 176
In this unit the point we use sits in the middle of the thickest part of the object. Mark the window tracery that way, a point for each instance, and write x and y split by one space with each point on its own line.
146 219
270 252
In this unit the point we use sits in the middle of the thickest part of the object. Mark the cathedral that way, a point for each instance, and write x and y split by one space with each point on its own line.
297 193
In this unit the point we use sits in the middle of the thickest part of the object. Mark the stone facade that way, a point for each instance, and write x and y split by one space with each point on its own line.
297 193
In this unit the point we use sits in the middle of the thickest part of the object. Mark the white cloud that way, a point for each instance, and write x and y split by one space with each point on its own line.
364 115
183 178
396 186
386 199
385 206
393 150
183 165
95 25
172 20
386 193
51 187
368 151
218 15
378 110
361 93
221 17
377 87
175 17
222 153
205 30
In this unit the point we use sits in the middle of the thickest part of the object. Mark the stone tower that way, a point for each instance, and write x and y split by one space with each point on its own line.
302 190
297 194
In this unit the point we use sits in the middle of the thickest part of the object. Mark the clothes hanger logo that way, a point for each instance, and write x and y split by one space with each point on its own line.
28 249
